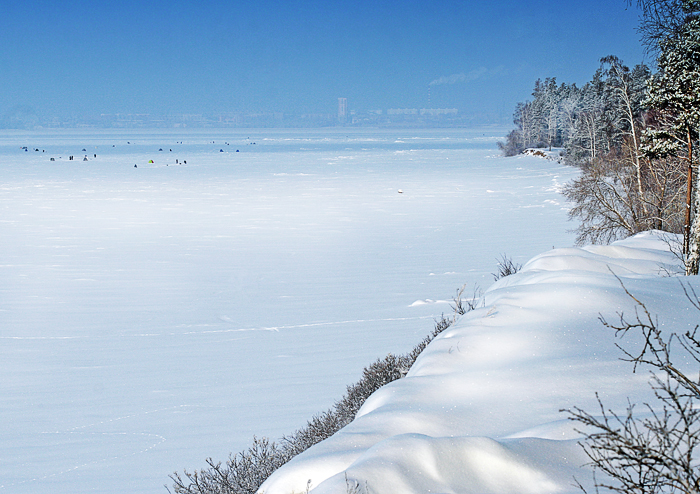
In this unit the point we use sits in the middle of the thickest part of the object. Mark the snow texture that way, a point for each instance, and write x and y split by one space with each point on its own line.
157 315
479 412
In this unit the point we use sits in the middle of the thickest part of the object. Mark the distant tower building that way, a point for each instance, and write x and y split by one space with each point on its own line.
342 109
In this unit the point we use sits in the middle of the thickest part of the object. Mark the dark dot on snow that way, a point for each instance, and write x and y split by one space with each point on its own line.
237 150
135 166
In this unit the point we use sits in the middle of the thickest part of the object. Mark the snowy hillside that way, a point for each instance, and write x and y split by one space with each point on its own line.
480 410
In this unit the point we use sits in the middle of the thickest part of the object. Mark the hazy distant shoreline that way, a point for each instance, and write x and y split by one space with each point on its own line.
391 118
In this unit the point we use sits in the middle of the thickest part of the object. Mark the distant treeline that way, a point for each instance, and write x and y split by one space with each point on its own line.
586 121
626 131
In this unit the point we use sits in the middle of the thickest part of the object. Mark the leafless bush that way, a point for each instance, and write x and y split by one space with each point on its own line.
615 197
506 267
513 144
381 372
354 487
245 472
463 305
675 246
657 454
320 427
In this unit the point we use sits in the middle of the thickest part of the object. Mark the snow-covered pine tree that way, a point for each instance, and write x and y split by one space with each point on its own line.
569 107
551 98
538 113
674 92
525 119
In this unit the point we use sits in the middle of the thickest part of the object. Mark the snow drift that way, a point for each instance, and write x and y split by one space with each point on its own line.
480 411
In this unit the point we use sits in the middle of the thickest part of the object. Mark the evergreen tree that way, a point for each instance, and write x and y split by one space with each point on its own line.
674 92
569 107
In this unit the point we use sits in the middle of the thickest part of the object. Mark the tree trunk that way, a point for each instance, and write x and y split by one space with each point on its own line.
692 232
688 203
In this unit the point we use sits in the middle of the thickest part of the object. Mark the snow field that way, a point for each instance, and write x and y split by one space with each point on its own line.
152 317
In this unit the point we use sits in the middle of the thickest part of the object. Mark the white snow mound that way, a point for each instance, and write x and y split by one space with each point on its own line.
480 411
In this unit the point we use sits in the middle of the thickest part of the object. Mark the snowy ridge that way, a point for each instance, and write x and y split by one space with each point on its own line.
479 412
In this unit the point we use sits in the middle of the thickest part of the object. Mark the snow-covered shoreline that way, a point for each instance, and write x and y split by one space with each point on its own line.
480 410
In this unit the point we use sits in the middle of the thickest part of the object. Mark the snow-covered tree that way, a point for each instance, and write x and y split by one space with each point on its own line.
674 93
620 191
569 108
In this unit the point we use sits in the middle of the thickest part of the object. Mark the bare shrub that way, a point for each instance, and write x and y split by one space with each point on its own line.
506 267
513 144
658 453
245 472
376 375
613 198
463 305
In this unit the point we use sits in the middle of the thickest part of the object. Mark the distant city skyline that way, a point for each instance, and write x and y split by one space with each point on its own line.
81 58
342 109
390 117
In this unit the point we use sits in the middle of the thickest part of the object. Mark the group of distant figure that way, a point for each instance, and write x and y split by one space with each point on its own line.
70 158
85 158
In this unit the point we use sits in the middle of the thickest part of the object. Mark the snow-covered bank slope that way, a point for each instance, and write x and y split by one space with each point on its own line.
480 409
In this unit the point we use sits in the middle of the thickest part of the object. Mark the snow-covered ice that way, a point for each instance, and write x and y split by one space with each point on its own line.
153 316
479 412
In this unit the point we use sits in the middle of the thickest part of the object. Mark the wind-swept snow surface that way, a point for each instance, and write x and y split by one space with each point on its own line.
480 410
152 317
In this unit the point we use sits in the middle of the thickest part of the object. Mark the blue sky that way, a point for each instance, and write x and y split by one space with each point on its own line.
92 57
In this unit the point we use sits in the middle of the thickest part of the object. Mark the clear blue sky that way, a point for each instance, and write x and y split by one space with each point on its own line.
106 56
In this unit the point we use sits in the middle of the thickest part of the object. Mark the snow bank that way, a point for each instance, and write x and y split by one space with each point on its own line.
480 410
554 154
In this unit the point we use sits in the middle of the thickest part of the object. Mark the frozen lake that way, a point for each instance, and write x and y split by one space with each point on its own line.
151 317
